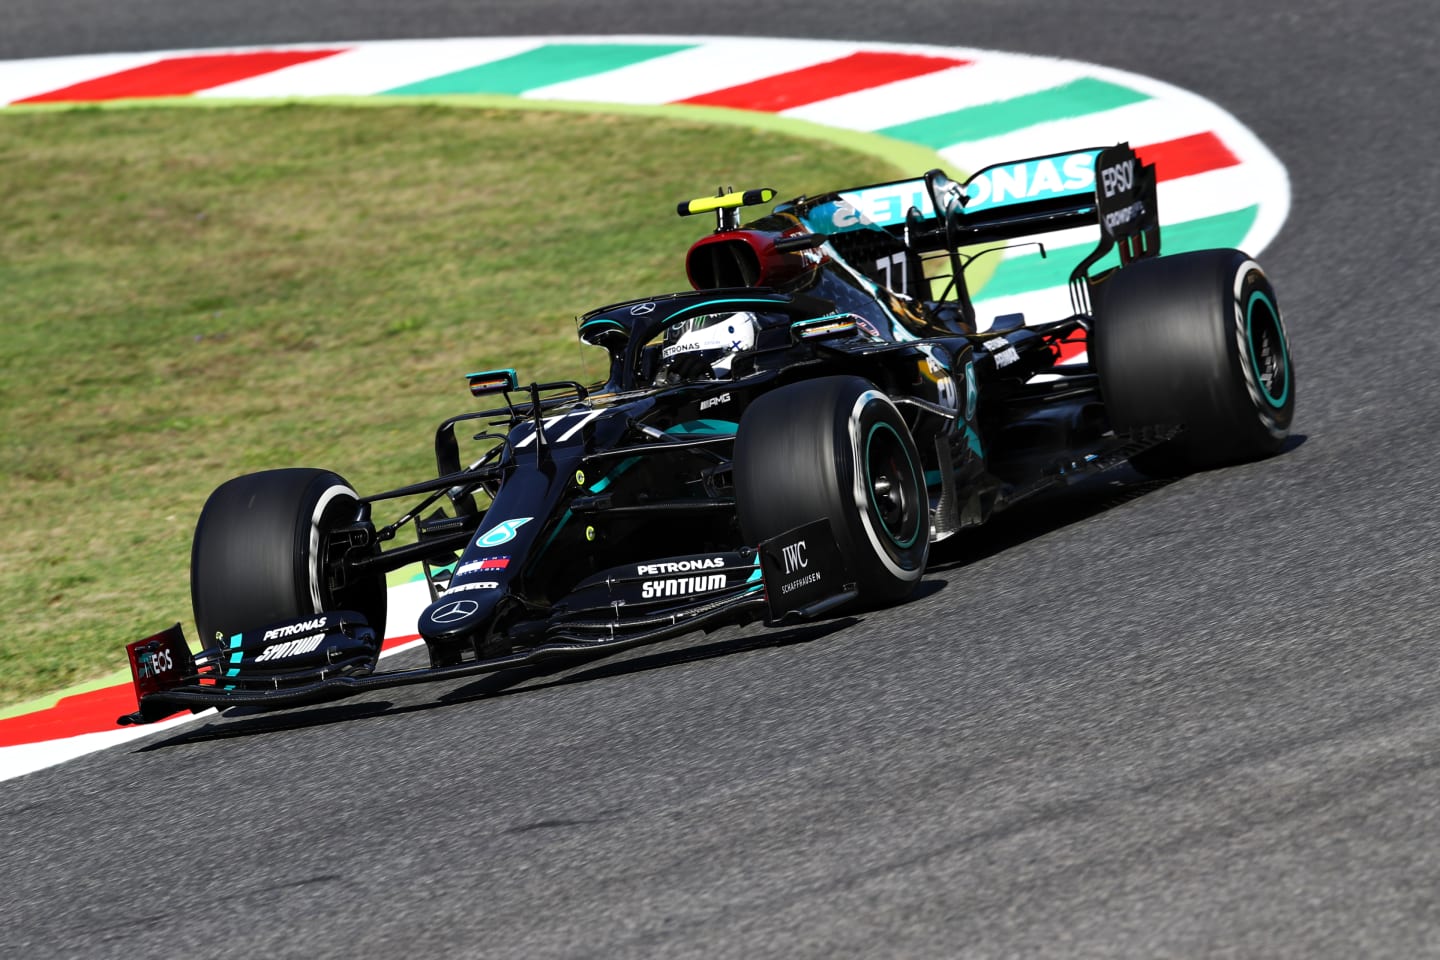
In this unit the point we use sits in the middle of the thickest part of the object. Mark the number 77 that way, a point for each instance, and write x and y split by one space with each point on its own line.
893 269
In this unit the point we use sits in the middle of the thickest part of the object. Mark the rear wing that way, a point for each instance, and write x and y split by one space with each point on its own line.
1108 187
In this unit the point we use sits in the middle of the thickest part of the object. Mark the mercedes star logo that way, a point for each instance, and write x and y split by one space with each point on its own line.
640 309
454 610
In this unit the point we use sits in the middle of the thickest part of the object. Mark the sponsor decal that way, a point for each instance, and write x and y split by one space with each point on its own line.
679 348
882 206
487 563
1124 189
502 532
886 205
679 566
733 336
1031 180
1114 221
158 662
802 568
476 585
714 402
796 559
795 556
938 371
291 648
804 581
681 586
1119 178
641 309
1003 351
305 626
454 610
155 663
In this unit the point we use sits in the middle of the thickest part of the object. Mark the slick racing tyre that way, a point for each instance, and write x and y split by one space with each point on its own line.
1195 340
259 553
836 447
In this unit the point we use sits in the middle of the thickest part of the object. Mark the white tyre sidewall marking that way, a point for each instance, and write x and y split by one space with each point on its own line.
862 494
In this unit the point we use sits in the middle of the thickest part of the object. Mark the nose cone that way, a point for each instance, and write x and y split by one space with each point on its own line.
459 615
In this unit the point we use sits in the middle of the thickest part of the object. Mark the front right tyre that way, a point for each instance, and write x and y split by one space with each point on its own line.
836 447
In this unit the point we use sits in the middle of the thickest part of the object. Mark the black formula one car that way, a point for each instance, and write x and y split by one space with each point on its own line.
785 440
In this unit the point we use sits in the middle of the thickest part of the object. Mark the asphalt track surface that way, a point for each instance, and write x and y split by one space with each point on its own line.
1191 720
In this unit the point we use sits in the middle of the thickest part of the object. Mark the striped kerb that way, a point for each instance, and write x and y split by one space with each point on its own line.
1021 273
1077 98
1187 156
835 78
180 76
554 63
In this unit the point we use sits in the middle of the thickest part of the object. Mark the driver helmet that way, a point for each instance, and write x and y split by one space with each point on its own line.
713 338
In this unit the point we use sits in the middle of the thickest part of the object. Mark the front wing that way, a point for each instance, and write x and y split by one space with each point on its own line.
802 577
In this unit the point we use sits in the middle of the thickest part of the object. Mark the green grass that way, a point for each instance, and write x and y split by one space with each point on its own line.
188 295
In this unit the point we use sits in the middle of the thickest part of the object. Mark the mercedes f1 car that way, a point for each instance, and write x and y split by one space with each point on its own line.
785 440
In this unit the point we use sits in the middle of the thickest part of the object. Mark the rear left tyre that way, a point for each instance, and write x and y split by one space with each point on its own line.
1195 340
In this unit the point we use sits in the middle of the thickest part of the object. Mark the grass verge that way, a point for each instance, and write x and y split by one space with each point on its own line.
193 294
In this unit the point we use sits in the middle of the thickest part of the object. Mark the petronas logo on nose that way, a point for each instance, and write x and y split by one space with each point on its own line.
502 532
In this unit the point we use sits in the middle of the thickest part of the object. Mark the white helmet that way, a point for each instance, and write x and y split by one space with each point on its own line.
714 339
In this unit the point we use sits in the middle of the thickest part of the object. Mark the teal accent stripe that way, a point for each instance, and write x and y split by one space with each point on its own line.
1277 403
609 478
1077 98
711 427
1029 271
558 527
235 657
696 309
972 439
552 63
757 577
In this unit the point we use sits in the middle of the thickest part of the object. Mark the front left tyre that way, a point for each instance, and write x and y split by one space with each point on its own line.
260 550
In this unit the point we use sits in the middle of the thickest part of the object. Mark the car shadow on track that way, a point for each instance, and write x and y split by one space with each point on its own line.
1051 511
1045 514
554 673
